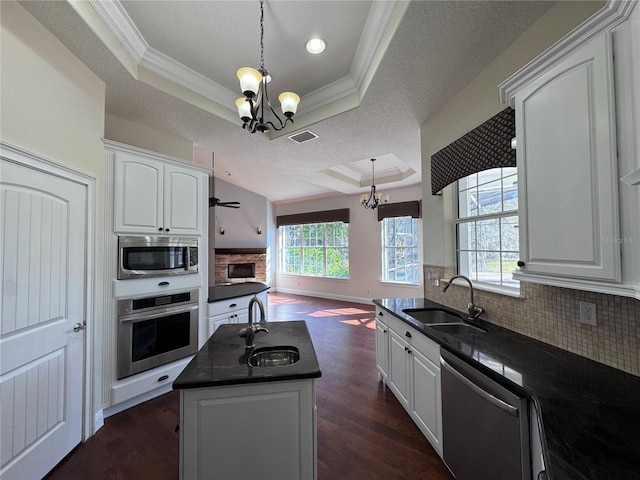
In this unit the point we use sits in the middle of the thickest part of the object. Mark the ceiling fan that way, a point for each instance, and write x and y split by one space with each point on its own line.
215 202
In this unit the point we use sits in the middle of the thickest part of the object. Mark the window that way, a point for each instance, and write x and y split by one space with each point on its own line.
400 250
487 226
317 249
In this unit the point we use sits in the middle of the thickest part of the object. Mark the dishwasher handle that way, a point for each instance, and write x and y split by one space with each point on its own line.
504 406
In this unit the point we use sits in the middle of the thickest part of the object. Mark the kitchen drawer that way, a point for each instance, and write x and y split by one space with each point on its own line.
382 316
417 339
135 287
230 305
142 383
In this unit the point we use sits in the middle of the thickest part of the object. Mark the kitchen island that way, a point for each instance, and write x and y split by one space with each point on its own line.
589 415
240 421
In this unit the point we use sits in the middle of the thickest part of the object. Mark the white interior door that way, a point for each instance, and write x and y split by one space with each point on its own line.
43 253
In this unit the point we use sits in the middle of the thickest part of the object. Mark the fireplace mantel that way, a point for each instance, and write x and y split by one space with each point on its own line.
240 251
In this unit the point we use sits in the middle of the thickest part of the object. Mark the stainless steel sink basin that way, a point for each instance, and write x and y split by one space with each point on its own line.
433 315
274 356
458 328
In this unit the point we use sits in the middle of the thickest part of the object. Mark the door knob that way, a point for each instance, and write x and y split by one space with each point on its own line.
79 326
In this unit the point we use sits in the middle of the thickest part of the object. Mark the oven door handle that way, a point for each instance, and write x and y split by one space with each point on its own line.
140 317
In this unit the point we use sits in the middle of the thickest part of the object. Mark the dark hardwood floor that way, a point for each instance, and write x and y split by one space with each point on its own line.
363 432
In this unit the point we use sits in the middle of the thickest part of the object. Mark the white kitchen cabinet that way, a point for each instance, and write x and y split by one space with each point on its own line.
382 345
567 170
234 310
414 378
153 196
576 129
219 426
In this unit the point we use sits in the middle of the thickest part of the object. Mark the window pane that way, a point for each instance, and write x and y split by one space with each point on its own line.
324 252
488 247
400 250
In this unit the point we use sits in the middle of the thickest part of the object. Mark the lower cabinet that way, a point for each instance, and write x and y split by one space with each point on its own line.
233 310
258 431
382 345
414 378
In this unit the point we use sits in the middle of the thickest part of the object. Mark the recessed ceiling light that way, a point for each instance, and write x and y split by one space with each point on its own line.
315 46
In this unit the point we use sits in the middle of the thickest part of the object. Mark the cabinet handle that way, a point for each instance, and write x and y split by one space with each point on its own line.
163 378
233 305
384 331
407 334
160 229
380 314
406 348
162 284
166 229
409 351
520 263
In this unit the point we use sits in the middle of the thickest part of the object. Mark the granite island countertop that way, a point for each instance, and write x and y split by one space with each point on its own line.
589 412
225 291
223 359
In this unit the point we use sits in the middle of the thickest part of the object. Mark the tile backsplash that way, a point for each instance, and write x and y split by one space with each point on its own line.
552 315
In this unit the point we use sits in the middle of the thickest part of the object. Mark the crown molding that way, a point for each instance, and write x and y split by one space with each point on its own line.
118 20
605 19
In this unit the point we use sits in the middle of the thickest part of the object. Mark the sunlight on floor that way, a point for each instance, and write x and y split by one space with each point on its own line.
366 322
338 311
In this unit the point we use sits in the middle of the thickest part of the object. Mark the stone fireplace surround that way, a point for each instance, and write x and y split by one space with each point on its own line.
225 256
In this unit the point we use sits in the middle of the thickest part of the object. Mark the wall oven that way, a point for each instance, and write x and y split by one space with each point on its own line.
151 256
153 331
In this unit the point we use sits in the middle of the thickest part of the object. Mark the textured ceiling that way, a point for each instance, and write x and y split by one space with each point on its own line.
436 50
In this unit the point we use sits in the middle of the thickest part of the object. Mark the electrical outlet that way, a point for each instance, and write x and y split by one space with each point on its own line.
588 314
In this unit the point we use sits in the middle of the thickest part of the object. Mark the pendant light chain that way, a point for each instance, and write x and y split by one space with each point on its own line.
262 70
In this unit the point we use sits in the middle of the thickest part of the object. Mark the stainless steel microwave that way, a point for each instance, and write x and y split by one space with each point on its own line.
154 256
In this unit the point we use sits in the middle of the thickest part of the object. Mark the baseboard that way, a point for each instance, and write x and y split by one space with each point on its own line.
132 402
331 296
98 421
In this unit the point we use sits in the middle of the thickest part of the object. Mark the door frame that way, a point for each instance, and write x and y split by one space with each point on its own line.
20 156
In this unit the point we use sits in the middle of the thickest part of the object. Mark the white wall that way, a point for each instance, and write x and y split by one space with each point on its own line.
365 253
131 133
53 105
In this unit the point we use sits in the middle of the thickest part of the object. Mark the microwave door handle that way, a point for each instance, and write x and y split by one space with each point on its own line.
141 317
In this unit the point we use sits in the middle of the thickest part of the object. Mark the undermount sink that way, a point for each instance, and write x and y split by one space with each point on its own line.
274 356
431 316
458 328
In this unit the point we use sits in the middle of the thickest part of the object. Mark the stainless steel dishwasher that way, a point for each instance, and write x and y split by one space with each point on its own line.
485 427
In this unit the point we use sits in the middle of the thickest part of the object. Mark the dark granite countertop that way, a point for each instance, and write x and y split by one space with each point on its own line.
223 359
590 413
225 291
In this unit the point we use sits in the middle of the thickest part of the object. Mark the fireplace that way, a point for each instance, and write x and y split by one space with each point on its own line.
235 264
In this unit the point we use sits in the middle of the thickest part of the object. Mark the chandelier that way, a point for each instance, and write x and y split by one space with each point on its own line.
374 199
253 84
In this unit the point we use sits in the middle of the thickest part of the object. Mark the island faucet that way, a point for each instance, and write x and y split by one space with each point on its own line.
474 312
249 333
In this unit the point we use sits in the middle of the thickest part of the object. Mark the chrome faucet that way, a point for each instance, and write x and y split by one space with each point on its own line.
474 312
249 333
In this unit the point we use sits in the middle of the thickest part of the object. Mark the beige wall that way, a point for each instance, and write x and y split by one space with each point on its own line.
131 133
549 314
53 105
365 252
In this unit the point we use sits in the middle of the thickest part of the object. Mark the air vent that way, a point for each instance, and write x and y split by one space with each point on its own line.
303 136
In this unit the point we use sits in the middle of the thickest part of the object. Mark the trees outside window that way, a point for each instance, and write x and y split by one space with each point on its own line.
487 226
400 250
315 249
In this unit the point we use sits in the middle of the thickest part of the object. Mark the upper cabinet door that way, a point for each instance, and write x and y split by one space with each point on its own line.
138 195
182 200
567 168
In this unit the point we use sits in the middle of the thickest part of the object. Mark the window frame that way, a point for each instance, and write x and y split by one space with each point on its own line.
416 247
511 288
301 246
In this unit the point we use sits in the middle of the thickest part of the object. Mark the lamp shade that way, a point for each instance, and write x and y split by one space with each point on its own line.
289 102
250 79
244 108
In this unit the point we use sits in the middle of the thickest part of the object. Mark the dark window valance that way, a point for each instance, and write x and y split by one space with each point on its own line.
340 215
401 209
484 147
